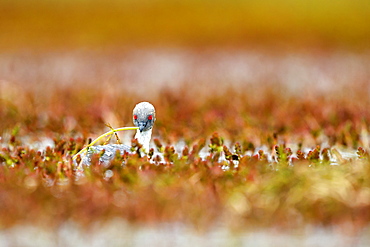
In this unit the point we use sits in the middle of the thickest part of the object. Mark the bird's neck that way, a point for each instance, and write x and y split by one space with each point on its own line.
144 138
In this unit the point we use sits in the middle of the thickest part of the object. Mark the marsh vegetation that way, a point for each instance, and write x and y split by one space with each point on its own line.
262 123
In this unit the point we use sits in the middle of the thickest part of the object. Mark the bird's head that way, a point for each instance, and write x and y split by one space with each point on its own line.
144 116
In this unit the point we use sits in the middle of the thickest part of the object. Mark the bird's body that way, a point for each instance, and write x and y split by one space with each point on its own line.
109 153
143 117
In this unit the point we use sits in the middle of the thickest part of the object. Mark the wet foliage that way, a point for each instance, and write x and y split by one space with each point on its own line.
272 160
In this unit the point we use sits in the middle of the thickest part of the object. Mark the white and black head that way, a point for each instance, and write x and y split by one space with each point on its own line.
144 116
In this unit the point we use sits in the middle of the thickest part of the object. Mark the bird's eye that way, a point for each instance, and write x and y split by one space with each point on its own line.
135 117
150 117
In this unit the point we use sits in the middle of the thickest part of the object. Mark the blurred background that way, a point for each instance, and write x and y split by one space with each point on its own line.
64 25
131 51
172 42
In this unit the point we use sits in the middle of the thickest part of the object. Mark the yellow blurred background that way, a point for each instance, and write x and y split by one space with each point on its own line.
52 24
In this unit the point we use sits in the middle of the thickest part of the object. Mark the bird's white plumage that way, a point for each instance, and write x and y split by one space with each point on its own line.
144 138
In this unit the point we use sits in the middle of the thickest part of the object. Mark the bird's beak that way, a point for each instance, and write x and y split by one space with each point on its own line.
141 125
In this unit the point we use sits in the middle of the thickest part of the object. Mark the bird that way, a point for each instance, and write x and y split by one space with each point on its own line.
143 117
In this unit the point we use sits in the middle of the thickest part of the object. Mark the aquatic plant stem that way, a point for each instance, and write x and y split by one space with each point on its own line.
101 136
